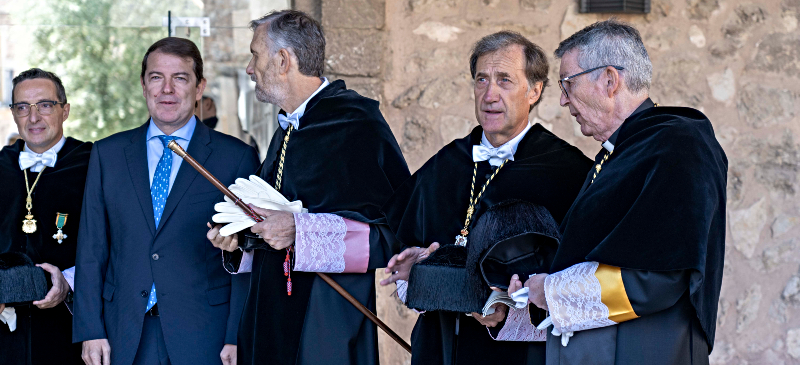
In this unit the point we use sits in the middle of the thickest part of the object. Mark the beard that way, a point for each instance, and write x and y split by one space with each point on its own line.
270 91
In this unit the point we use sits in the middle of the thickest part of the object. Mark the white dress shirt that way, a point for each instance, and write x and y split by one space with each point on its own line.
510 146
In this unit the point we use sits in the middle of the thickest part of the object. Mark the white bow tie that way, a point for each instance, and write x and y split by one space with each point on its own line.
496 156
28 159
285 120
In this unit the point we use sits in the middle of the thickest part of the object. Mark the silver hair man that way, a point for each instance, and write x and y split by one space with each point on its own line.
612 43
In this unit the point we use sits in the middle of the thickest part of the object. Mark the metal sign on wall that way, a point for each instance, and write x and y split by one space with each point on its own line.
615 6
189 22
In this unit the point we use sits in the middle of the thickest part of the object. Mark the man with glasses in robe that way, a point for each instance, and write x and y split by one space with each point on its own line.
637 276
41 332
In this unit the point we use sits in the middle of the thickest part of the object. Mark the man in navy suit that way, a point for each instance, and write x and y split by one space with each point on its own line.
150 288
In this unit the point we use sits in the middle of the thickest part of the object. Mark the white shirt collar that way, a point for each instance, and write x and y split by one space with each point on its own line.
294 117
513 143
608 146
184 132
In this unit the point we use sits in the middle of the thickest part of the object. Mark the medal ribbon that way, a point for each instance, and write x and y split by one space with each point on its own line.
61 220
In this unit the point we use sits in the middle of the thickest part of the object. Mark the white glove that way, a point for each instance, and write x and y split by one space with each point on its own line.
256 192
564 336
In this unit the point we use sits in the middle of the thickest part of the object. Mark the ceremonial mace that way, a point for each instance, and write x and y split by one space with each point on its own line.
175 147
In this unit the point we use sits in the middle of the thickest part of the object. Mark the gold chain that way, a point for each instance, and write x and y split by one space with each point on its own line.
599 166
283 157
474 201
29 199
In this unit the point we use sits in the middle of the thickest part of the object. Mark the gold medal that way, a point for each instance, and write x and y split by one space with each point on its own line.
29 224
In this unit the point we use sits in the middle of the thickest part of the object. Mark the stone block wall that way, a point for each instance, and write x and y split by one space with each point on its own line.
737 61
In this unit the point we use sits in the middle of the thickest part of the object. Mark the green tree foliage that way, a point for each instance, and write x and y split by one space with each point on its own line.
96 47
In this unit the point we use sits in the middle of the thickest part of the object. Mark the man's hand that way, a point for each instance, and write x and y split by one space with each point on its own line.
230 243
96 352
58 292
536 290
400 265
277 229
500 311
228 354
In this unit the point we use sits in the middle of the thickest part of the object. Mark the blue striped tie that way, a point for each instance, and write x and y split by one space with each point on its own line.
158 194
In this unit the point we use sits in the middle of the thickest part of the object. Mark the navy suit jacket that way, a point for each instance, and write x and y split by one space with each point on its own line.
121 252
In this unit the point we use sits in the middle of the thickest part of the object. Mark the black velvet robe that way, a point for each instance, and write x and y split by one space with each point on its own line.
431 207
342 160
43 336
657 210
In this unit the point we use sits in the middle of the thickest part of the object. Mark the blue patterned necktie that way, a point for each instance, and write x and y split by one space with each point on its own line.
159 191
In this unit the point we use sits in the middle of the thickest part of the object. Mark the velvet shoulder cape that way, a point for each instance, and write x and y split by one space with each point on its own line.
59 190
432 205
657 204
343 160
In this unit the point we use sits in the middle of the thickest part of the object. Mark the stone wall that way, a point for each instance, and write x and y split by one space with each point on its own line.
739 62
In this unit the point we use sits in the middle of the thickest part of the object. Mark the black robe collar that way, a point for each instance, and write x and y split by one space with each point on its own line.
431 206
647 104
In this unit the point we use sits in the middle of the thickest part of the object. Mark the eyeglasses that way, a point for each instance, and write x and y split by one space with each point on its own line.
564 83
44 107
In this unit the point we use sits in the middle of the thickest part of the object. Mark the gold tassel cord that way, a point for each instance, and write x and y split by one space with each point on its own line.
462 239
283 157
29 224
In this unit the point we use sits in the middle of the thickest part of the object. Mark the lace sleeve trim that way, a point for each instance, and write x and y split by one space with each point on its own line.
574 299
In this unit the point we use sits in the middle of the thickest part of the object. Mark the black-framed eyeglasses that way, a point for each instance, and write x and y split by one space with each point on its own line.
563 83
44 107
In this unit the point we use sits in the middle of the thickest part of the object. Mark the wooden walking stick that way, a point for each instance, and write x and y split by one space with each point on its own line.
175 147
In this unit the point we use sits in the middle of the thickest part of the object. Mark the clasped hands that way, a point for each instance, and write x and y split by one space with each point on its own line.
399 268
277 229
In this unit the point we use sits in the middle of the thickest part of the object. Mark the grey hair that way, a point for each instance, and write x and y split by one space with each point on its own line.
612 43
536 66
300 34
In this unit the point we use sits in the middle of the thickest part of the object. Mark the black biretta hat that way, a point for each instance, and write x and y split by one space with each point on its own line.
21 281
512 237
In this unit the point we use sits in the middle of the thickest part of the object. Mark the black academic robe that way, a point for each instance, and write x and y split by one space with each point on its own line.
657 211
431 207
343 160
43 336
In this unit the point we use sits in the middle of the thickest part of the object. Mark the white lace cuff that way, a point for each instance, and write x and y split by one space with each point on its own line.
518 327
574 299
329 243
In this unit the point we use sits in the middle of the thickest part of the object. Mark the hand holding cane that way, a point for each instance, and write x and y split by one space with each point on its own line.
175 147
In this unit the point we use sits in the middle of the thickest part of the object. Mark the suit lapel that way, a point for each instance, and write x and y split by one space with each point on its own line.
198 148
136 155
